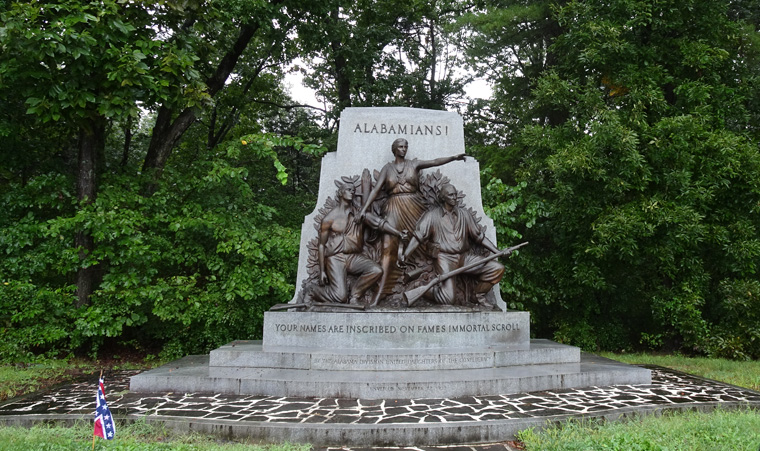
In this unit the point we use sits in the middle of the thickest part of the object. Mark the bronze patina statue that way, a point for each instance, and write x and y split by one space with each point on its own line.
400 179
405 239
451 231
340 251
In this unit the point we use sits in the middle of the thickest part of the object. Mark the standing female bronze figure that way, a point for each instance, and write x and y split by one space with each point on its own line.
400 179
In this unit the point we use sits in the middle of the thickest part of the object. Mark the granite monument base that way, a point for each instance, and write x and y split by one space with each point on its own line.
387 355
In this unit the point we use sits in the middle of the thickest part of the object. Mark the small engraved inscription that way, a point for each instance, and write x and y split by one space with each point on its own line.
388 361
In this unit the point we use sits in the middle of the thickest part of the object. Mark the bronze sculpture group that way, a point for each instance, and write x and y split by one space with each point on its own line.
376 241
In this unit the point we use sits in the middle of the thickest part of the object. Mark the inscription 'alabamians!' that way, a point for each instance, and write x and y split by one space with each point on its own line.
402 129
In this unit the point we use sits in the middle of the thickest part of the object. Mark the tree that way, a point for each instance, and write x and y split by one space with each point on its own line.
510 45
95 62
75 77
84 64
643 200
382 53
221 40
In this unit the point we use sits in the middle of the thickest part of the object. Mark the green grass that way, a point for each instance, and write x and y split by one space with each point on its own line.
138 436
19 379
740 373
716 430
687 431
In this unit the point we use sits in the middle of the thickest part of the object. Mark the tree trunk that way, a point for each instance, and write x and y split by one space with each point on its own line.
214 137
555 115
168 131
127 143
433 100
341 67
91 144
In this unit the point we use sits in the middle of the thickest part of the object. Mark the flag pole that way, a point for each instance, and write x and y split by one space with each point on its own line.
93 435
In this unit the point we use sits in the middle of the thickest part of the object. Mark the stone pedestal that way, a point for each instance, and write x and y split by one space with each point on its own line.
388 355
402 329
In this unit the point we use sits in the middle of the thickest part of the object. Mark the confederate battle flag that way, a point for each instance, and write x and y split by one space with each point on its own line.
104 425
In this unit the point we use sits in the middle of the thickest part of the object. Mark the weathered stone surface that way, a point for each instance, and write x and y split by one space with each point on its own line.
397 330
251 354
321 421
191 375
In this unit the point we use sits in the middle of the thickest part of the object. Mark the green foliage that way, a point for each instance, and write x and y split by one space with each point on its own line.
508 44
648 186
740 373
378 53
133 436
737 430
197 262
90 58
737 335
193 266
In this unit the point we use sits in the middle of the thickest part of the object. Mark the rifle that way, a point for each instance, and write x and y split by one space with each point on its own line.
277 307
415 294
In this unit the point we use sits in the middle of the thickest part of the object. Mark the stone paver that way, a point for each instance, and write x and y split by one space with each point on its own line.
668 389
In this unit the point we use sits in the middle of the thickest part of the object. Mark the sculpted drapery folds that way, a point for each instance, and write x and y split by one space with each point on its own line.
400 179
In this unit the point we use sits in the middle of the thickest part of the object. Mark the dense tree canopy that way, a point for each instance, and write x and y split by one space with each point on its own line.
155 171
643 197
129 208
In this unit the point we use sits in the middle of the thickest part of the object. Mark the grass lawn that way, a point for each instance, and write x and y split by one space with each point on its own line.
743 374
687 431
672 431
137 436
19 379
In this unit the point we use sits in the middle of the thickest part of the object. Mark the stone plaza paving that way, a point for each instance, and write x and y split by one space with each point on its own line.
669 390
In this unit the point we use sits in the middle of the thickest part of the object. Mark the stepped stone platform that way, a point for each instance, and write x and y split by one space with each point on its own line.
388 354
412 357
194 374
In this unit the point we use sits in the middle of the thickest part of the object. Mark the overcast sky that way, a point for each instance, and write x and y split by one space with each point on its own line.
478 89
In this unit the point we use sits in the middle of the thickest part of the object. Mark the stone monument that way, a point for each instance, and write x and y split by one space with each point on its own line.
394 161
397 292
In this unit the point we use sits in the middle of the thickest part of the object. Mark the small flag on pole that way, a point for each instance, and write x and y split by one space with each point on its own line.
104 424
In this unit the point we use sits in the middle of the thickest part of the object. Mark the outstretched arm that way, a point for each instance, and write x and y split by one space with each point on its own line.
424 164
